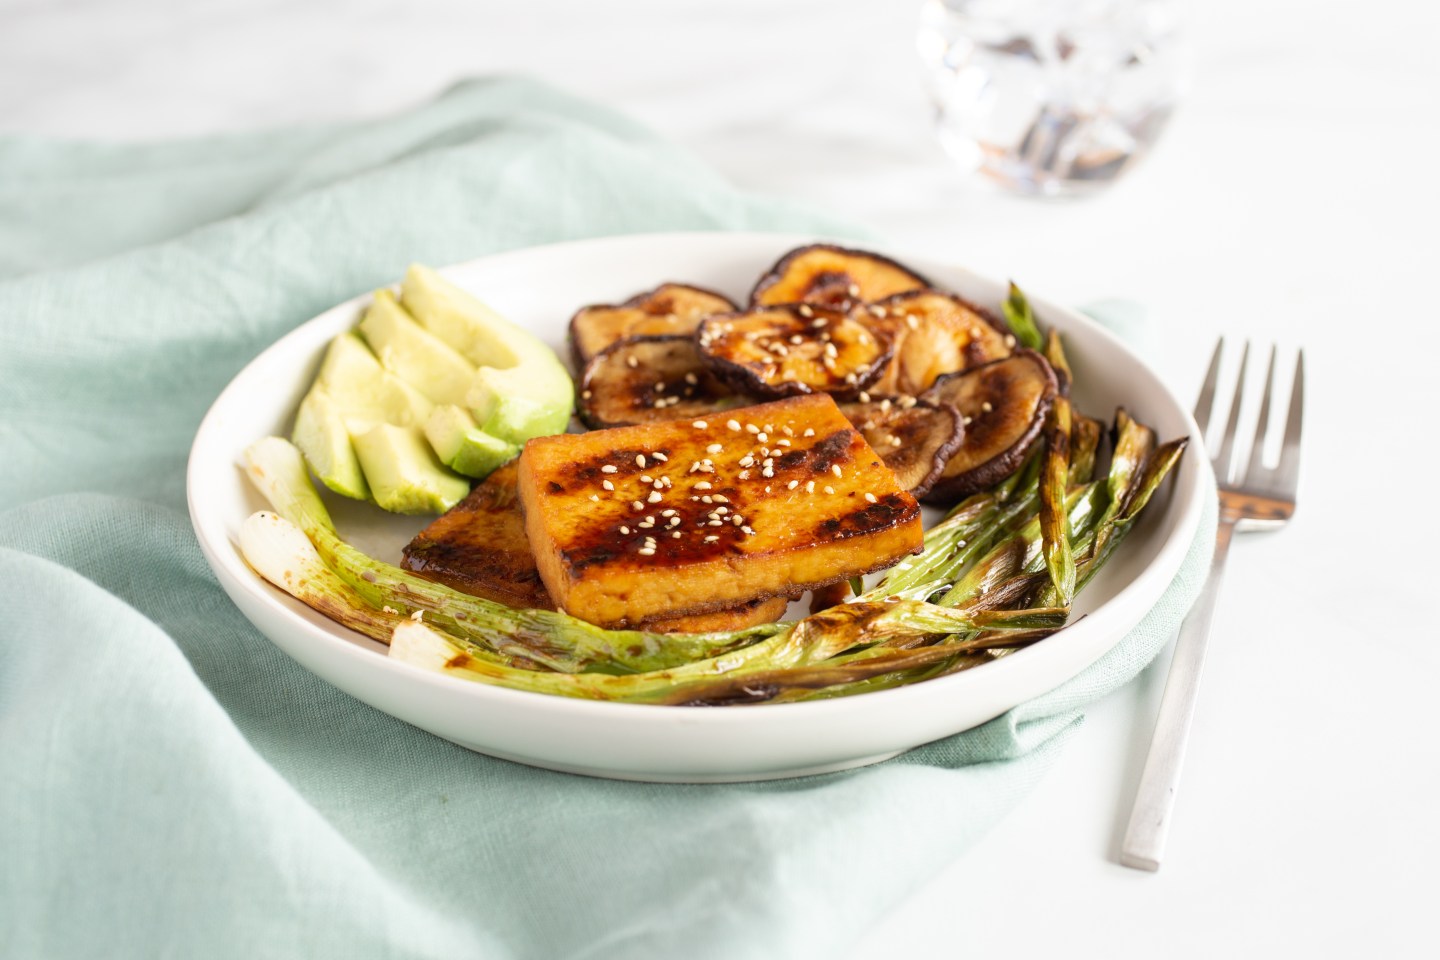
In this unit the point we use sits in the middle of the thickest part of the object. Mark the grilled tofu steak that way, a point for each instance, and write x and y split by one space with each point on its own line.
670 309
479 547
689 516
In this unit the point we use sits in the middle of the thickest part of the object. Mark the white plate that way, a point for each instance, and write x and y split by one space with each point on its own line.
541 288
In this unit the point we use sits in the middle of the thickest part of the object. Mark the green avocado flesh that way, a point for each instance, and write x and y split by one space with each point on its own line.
415 356
520 389
320 432
435 365
403 473
463 446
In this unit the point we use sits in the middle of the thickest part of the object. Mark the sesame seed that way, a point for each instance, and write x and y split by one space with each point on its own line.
907 401
660 456
737 520
796 339
1010 340
636 505
829 489
782 442
674 521
809 432
810 486
767 473
654 496
703 485
608 468
912 321
787 431
768 462
792 484
864 397
985 407
767 489
595 497
805 311
870 497
721 498
830 351
706 499
646 479
744 474
817 324
853 290
748 531
835 469
711 539
762 436
747 461
691 379
699 424
885 405
966 421
646 524
675 535
667 513
659 386
715 448
607 484
646 551
640 460
751 428
624 529
733 424
584 394
878 311
631 362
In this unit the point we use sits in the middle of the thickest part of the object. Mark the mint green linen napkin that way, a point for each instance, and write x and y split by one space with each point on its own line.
171 784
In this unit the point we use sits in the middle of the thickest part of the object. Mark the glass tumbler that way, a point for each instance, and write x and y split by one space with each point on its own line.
1052 97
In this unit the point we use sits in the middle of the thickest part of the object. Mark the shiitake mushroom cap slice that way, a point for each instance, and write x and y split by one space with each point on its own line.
1004 405
640 379
792 349
915 438
832 276
935 333
668 310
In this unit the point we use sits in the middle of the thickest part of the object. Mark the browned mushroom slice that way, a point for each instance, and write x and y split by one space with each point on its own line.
650 378
1004 406
786 350
935 334
833 277
914 438
668 310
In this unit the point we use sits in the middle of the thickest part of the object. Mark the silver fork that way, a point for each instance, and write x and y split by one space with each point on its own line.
1262 499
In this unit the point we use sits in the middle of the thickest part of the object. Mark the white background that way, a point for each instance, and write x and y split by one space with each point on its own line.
1294 199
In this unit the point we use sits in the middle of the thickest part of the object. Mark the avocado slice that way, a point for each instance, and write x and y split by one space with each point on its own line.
463 446
520 389
364 391
321 434
419 358
404 475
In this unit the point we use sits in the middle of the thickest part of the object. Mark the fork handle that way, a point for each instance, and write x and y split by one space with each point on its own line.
1150 818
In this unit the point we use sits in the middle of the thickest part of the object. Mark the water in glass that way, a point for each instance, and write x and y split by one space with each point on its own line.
1052 97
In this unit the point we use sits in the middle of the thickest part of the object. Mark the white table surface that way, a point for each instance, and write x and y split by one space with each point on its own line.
1293 199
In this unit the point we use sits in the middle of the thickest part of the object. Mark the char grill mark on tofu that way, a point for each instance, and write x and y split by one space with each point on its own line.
749 517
